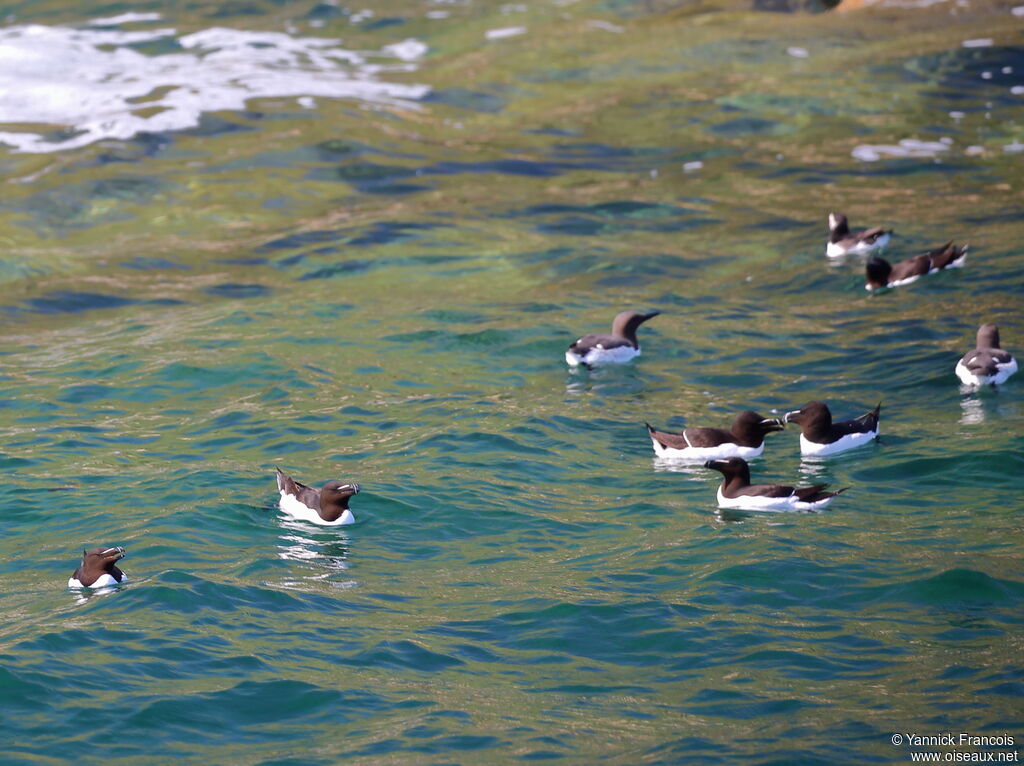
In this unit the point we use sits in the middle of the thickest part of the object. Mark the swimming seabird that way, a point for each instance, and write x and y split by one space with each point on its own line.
619 347
880 273
327 505
744 439
987 363
841 241
819 436
98 569
736 491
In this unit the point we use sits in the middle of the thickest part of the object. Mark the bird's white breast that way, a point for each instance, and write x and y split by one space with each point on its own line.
298 510
1003 371
835 250
600 355
859 247
967 377
755 503
813 449
904 281
103 581
721 452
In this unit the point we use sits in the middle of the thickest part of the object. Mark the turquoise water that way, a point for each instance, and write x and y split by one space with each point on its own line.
380 288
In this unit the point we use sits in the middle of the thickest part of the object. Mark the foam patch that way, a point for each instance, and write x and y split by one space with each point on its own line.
65 87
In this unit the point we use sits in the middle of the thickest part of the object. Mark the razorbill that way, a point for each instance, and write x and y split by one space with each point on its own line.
98 569
819 436
745 439
327 505
987 363
619 347
880 273
841 241
736 491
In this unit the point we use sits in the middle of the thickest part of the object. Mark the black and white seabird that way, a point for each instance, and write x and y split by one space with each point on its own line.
619 347
745 439
819 436
841 241
987 363
880 273
327 505
736 491
98 569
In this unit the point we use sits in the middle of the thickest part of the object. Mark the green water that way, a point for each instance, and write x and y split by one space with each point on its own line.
383 293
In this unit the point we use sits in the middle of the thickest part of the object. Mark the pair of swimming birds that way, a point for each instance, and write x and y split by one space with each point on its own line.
819 435
880 273
986 364
326 506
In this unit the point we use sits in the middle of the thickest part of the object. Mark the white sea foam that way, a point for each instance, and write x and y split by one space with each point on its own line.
908 147
124 18
407 50
908 3
90 84
605 25
500 34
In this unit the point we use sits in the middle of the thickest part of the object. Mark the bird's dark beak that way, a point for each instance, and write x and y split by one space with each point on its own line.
791 417
114 554
773 424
